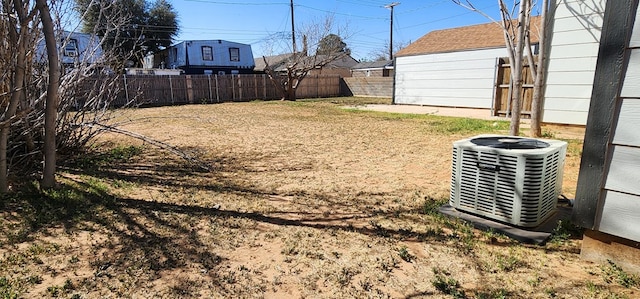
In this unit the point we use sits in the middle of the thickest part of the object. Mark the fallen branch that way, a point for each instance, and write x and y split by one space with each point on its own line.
159 144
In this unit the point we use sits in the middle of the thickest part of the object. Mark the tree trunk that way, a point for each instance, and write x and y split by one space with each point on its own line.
274 79
291 94
290 91
516 71
515 41
51 102
538 84
20 40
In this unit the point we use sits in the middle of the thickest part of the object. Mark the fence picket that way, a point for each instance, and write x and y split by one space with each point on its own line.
150 90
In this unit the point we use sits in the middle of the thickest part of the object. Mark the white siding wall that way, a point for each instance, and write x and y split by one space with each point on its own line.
456 79
89 49
620 213
572 60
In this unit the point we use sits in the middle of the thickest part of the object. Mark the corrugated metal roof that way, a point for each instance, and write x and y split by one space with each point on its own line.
483 36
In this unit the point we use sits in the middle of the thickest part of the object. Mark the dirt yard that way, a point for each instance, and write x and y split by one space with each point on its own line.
302 200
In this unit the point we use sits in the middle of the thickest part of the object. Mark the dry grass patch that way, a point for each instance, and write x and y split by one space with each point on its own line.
305 199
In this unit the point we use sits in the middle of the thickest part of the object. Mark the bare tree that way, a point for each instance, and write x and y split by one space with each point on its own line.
51 103
88 84
515 41
538 71
19 22
382 54
295 69
515 21
46 109
286 75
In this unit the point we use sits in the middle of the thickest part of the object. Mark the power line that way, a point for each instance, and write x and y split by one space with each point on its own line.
422 7
240 3
442 19
340 14
362 3
367 13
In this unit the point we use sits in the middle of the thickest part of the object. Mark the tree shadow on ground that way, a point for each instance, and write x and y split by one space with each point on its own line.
153 237
150 238
138 237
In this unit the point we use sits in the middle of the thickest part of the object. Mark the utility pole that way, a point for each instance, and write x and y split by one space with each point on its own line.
390 6
293 30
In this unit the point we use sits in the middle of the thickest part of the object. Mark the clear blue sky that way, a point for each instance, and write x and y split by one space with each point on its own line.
263 24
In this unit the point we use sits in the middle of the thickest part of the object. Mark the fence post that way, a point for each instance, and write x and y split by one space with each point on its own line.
209 82
240 95
255 84
217 89
233 89
188 84
126 89
264 86
171 89
494 108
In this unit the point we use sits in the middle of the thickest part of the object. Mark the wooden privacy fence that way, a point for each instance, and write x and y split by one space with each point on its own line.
501 104
150 90
370 86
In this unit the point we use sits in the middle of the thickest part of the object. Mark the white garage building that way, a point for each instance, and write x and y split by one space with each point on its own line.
451 67
458 67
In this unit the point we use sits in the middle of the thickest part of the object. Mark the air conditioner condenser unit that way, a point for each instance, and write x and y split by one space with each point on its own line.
510 179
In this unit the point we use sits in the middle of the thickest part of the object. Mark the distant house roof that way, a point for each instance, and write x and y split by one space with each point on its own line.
278 61
272 60
475 37
384 64
346 62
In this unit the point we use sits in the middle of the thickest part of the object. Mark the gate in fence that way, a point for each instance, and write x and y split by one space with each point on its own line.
502 98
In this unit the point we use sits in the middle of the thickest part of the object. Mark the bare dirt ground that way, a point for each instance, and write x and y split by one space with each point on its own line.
303 200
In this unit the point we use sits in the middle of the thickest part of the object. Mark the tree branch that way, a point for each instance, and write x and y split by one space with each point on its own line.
156 143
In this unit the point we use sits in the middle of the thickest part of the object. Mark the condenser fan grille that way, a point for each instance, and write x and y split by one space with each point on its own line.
509 142
515 185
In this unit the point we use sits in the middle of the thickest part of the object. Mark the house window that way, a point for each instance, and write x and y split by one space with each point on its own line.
234 54
71 48
207 53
